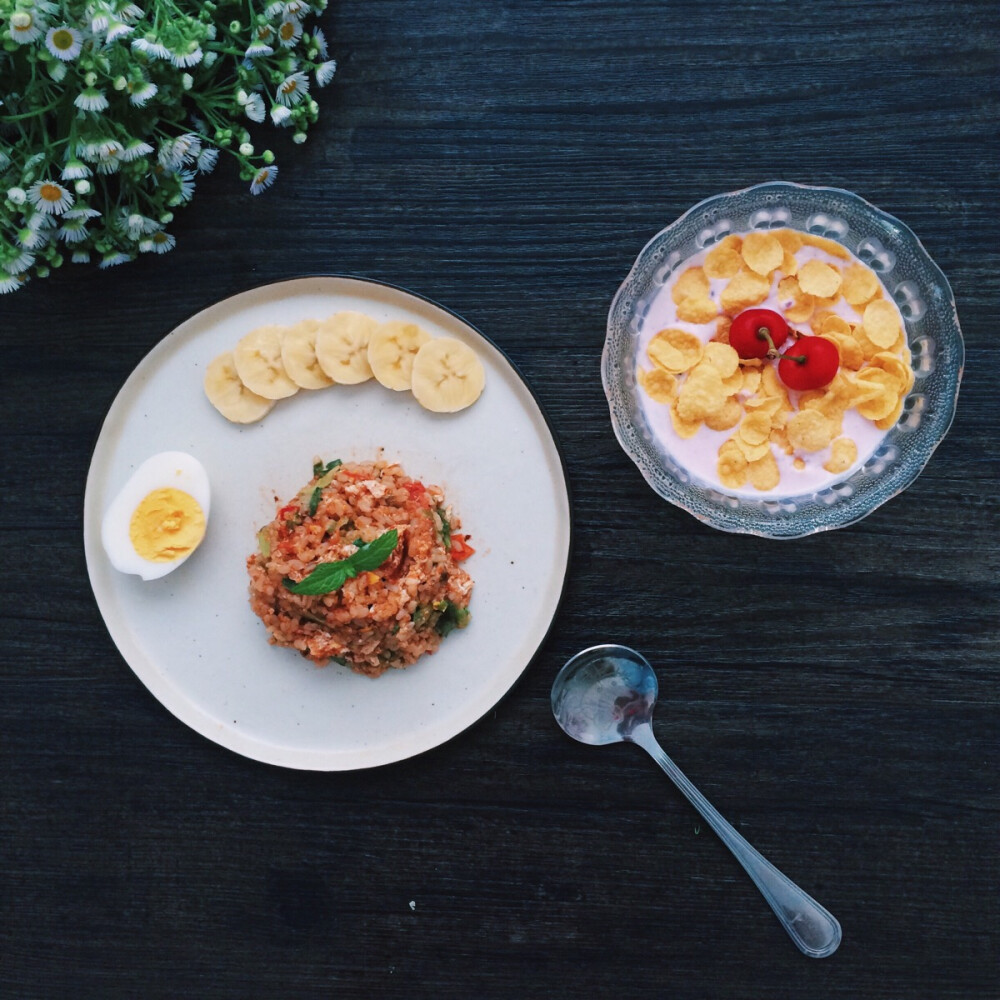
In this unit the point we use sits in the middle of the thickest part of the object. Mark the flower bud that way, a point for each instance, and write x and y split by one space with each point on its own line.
16 195
246 149
90 79
187 81
82 186
299 137
120 83
267 156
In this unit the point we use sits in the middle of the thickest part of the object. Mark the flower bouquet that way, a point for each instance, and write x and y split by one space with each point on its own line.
109 111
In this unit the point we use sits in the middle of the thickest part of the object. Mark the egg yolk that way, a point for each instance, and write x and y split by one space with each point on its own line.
168 524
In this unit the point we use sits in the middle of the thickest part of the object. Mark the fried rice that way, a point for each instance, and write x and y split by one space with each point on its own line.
381 617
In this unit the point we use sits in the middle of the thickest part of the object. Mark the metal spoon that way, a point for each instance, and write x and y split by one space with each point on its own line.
606 694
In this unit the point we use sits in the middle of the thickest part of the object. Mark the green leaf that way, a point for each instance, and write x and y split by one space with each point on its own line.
331 576
445 527
314 500
372 554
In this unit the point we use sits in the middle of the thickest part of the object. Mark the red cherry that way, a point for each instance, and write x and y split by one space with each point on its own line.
750 330
811 363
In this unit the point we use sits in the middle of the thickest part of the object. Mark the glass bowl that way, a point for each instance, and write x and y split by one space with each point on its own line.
916 283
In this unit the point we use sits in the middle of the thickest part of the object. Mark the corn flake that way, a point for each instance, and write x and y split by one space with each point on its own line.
790 239
762 252
881 323
683 428
724 260
658 384
859 285
809 430
691 296
675 350
745 289
723 358
701 394
819 279
843 454
763 472
755 428
731 467
829 246
727 416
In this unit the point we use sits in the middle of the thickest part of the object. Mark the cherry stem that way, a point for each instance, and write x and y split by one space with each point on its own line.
764 334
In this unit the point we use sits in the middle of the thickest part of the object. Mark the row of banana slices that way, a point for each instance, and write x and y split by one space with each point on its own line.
273 362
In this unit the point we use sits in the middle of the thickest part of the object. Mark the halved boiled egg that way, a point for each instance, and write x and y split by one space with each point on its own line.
159 517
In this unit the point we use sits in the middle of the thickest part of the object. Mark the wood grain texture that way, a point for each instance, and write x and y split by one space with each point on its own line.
835 697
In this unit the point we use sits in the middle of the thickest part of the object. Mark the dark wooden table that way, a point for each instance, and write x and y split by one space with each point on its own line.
835 697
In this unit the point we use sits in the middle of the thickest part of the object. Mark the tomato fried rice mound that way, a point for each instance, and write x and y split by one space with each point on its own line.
382 617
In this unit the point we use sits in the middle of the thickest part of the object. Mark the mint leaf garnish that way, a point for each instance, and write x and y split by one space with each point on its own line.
331 576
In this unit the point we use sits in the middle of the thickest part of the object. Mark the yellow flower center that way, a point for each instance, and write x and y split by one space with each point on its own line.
50 192
287 31
159 237
62 40
22 21
289 86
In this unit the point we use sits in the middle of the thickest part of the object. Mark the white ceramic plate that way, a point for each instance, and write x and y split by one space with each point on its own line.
191 636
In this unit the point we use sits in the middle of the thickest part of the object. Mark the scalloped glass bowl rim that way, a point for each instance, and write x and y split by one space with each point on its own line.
754 518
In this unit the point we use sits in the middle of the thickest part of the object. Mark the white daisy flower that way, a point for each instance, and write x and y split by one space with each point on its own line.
296 8
184 60
31 239
254 108
258 48
64 42
141 93
150 46
293 89
274 9
81 257
25 27
20 263
289 32
130 12
319 40
100 18
325 71
207 160
11 284
108 165
73 231
50 197
136 224
263 179
75 169
83 212
162 242
113 260
91 99
118 29
135 149
280 115
186 182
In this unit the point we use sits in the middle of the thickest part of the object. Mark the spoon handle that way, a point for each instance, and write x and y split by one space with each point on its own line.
815 930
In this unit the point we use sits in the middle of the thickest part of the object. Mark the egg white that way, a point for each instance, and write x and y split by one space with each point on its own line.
167 470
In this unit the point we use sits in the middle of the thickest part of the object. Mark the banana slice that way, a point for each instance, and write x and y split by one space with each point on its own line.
257 357
391 351
342 347
298 355
447 375
227 393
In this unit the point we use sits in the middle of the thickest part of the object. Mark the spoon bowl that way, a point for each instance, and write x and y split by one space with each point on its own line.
606 694
603 693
